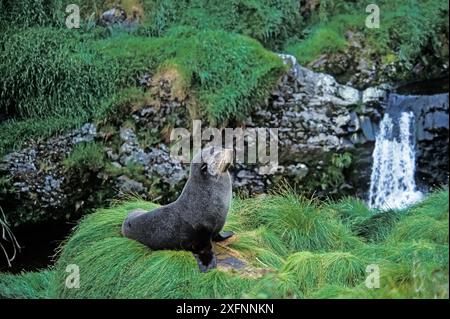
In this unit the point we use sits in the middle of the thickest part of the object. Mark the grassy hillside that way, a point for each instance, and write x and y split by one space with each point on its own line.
55 79
62 78
294 248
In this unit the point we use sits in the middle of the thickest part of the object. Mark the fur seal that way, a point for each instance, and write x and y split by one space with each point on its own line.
196 218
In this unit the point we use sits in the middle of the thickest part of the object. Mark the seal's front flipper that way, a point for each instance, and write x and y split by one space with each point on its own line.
206 261
223 236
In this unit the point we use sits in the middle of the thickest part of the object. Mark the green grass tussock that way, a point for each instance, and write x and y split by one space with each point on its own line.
427 220
281 264
32 285
302 224
229 73
46 70
55 79
435 205
421 227
30 13
269 21
308 271
139 274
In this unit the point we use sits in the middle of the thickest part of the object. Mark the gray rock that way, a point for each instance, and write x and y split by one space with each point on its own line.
436 120
130 186
374 94
113 16
367 128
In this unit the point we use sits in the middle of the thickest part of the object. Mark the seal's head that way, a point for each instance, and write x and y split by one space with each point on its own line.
212 161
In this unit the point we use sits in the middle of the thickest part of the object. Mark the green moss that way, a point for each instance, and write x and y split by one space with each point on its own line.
85 157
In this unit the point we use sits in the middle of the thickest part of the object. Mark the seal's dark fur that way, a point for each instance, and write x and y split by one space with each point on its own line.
193 220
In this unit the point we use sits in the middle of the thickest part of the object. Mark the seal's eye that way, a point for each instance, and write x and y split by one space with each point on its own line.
203 167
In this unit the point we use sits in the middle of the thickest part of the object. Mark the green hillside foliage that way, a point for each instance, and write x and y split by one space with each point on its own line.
406 29
55 79
61 79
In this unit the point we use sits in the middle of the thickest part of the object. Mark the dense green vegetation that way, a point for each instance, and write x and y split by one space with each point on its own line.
306 248
54 79
406 29
64 78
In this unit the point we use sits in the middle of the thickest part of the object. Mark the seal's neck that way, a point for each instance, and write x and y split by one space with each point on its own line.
203 189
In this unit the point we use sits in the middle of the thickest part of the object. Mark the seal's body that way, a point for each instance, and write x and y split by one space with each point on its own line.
196 217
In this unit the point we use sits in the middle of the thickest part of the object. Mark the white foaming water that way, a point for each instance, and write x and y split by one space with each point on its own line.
392 184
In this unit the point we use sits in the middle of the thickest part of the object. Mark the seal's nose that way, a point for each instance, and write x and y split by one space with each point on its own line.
227 159
127 223
229 155
126 226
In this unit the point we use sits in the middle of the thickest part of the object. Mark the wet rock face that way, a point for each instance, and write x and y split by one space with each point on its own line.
41 187
317 120
156 164
432 128
117 17
38 183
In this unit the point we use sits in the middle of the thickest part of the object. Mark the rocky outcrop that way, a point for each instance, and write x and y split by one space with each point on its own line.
320 120
38 185
360 66
117 17
41 186
432 138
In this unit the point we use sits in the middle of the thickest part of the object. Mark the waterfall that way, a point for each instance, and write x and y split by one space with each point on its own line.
392 183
